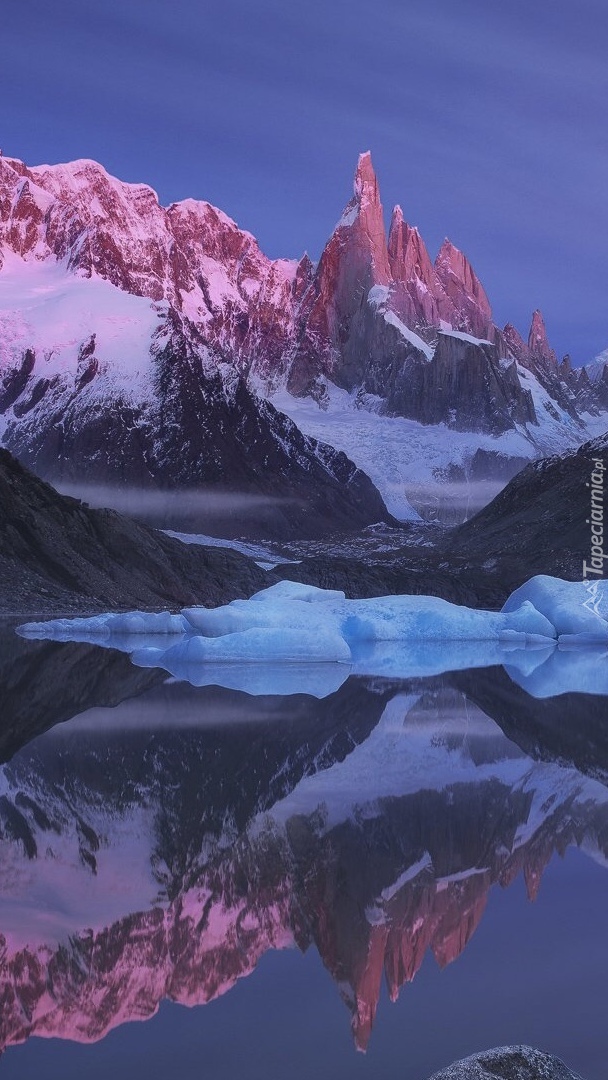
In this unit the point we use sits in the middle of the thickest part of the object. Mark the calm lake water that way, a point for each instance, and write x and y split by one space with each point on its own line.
270 884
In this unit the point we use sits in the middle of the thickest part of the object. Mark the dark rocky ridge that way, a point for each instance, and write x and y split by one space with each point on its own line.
57 554
537 523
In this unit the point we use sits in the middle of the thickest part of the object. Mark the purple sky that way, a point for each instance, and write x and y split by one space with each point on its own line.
486 122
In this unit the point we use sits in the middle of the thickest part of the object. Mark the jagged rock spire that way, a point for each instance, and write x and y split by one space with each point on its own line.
364 217
538 342
471 306
366 181
418 296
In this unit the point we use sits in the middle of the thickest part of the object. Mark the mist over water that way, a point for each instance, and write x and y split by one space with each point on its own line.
452 502
241 513
220 513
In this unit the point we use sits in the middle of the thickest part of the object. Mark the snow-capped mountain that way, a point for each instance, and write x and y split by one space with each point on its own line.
105 380
144 345
154 876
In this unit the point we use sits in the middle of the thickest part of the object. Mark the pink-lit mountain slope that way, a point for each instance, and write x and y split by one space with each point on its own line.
140 344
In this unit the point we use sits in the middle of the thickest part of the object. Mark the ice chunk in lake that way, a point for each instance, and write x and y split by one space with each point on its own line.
291 621
288 604
110 625
397 636
386 618
428 618
544 607
297 590
243 615
573 607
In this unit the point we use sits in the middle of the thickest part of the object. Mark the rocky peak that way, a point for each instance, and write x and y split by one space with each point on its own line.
538 342
470 304
515 343
305 273
419 297
364 220
407 252
366 182
354 260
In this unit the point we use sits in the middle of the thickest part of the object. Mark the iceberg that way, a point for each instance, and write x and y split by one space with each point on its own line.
96 628
307 610
577 609
295 625
295 622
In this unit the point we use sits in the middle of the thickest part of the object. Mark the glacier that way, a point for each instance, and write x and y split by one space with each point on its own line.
551 636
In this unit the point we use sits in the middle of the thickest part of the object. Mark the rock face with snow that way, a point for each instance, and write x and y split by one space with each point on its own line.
370 317
191 254
466 386
376 316
417 293
131 336
142 402
538 343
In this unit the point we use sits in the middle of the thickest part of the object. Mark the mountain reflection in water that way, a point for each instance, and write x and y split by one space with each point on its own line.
160 843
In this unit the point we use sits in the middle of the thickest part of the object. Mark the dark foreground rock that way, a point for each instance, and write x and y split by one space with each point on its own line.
538 524
56 554
508 1063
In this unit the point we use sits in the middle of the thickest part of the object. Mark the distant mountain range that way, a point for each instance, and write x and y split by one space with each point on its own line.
159 347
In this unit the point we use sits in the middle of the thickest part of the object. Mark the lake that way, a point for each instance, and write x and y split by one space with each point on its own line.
369 883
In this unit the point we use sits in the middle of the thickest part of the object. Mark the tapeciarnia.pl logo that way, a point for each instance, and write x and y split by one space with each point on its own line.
596 524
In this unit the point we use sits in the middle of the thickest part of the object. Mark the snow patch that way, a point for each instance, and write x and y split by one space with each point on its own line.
46 308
